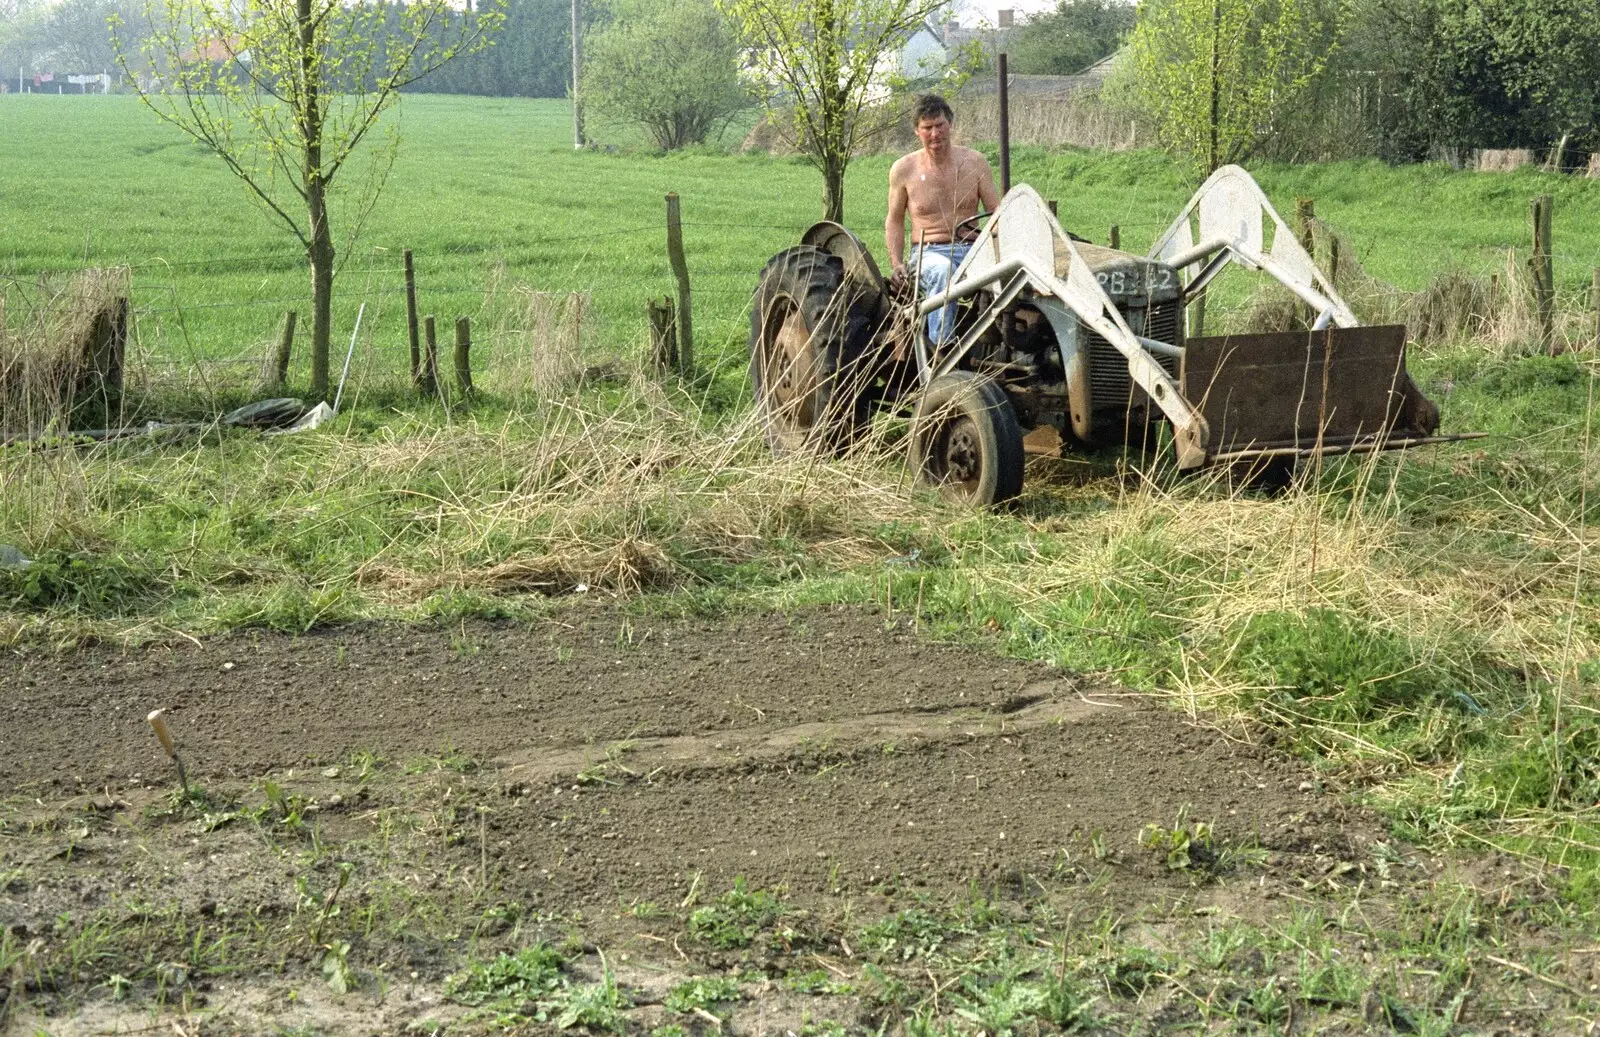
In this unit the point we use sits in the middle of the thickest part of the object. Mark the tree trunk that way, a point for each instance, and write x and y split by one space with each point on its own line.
321 255
1215 158
833 191
319 247
833 148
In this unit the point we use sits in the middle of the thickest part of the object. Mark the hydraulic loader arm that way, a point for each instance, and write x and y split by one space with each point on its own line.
1228 220
1023 246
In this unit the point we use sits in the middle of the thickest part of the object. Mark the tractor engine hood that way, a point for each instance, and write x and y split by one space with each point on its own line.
1128 279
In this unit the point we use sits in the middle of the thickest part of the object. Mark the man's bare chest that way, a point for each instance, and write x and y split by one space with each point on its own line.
935 187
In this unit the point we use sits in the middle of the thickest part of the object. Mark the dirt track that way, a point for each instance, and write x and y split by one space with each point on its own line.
821 751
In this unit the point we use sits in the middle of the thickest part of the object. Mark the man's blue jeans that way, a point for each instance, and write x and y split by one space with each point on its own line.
938 264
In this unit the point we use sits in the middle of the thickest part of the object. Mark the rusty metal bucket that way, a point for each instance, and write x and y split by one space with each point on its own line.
1303 393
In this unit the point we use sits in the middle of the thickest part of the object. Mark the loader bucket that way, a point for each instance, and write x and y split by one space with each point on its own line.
1302 393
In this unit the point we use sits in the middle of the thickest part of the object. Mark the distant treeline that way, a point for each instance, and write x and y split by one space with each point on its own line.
531 56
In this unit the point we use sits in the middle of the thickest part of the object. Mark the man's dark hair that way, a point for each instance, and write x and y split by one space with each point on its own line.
931 106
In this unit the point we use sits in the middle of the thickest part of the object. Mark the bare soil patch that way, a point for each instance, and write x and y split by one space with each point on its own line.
826 748
596 779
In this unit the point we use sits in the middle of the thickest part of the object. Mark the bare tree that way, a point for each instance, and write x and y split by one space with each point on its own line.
285 92
77 34
828 66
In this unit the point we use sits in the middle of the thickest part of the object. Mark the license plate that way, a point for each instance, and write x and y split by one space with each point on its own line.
1136 282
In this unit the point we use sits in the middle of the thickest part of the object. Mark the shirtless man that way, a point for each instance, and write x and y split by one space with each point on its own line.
941 184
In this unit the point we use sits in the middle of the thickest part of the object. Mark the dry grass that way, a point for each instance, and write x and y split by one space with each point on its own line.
1495 311
645 493
47 346
1504 160
540 339
1470 558
1487 595
1079 120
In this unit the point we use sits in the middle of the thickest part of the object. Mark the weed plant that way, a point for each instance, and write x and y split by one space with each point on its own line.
735 918
704 993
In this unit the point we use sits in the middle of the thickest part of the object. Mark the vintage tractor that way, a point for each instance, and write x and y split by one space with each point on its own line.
1063 342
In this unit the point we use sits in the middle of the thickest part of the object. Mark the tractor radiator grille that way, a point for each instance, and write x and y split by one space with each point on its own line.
1109 384
1162 325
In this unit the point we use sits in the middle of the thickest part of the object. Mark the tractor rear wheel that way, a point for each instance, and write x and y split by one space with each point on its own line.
810 339
965 440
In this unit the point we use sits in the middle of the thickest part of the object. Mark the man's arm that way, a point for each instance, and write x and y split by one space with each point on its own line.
987 194
894 226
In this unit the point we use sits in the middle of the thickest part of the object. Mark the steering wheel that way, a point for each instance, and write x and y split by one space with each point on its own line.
955 234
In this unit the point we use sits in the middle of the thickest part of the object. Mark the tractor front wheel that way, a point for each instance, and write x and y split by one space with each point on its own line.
810 337
965 440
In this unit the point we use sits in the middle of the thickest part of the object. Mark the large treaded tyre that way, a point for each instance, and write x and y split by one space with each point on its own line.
965 440
810 338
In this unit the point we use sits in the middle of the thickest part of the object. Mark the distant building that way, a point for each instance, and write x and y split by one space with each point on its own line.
925 53
921 59
1095 75
990 39
215 52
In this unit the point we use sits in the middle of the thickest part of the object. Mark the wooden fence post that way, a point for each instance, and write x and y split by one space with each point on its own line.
1305 210
106 353
411 320
1594 301
1116 236
680 269
276 370
464 355
1004 84
1542 267
430 364
663 335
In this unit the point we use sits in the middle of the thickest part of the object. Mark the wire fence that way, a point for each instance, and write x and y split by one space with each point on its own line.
291 257
528 327
526 296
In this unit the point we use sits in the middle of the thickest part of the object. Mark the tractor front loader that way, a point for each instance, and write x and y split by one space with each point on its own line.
1059 334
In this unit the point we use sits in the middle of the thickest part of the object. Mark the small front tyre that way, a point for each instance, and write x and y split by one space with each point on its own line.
965 440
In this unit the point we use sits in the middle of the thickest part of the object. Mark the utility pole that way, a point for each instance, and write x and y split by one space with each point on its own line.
578 139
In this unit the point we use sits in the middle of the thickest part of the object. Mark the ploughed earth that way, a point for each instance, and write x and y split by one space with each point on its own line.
375 807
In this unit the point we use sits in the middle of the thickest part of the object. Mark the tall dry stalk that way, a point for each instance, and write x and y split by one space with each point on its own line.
1504 160
542 341
1076 119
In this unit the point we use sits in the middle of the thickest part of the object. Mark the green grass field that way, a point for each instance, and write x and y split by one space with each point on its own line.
485 185
1426 626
